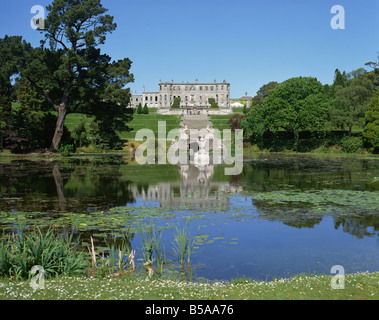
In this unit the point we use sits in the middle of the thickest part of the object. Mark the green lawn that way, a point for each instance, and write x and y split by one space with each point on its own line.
140 121
302 287
150 121
221 122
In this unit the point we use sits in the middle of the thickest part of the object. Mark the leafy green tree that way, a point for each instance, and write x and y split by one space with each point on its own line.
80 135
351 101
295 105
244 110
72 74
145 109
253 125
139 109
31 124
263 92
213 103
374 73
9 47
371 129
5 109
339 78
176 103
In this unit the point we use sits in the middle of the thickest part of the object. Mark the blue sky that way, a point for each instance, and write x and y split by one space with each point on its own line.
245 42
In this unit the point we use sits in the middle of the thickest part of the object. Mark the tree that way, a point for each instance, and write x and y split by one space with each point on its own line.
31 124
253 125
9 47
139 108
339 78
73 75
371 129
351 101
213 103
263 92
176 103
294 105
145 109
374 73
235 121
5 109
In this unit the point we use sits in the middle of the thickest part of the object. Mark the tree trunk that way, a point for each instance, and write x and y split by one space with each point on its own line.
296 138
62 112
59 128
350 129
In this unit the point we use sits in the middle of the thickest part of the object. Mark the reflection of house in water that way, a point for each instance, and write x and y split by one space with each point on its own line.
194 190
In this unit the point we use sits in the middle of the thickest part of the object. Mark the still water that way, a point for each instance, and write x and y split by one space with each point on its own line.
285 214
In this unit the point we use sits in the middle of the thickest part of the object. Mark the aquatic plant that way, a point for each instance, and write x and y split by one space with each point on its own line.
183 244
151 241
57 254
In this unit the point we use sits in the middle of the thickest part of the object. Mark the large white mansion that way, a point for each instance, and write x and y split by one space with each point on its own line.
192 95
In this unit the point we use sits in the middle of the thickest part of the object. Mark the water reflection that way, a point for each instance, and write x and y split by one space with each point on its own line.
195 189
99 183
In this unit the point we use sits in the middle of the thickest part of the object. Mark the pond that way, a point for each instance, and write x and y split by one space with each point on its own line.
283 215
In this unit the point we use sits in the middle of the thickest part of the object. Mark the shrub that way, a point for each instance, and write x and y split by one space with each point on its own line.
66 149
145 109
176 104
213 103
235 121
80 135
352 144
57 255
376 143
139 109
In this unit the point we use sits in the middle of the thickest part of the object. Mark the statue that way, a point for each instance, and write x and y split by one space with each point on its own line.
202 156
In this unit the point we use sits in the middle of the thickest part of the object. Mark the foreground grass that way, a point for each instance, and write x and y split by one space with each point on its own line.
303 287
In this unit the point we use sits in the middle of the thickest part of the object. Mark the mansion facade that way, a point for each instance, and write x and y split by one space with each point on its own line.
192 95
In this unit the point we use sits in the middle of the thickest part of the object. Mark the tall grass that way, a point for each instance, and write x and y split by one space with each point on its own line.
151 243
183 244
58 255
116 258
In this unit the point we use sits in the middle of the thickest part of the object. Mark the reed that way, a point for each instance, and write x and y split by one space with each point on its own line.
151 242
116 258
183 244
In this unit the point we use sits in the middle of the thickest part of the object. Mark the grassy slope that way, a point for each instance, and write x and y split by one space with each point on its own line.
140 121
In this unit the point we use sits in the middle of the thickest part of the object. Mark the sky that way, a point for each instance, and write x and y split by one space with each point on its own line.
248 43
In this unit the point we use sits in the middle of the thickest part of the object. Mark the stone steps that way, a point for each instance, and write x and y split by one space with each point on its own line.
196 121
